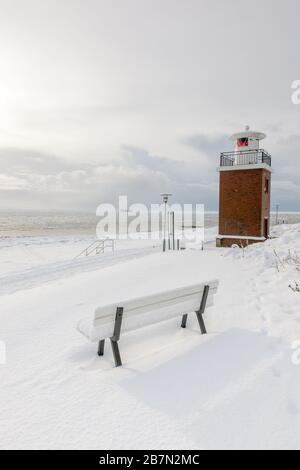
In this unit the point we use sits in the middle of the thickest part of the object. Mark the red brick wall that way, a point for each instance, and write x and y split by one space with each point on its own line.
227 242
244 204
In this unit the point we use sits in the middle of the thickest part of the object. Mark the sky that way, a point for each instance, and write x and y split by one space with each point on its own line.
101 98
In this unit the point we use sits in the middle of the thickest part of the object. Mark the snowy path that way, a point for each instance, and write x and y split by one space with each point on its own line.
34 277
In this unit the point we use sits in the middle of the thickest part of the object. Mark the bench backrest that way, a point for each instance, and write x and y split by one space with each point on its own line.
153 309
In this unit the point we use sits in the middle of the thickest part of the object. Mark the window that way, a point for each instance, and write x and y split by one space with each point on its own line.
266 185
244 142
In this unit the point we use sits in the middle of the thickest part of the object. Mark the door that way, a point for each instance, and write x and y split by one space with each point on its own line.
266 228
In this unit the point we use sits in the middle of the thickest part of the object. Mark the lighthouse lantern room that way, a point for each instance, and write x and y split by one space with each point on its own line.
245 184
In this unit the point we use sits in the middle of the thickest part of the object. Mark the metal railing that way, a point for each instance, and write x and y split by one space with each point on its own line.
97 247
245 157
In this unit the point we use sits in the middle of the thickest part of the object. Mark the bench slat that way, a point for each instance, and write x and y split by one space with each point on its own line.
146 311
182 305
149 303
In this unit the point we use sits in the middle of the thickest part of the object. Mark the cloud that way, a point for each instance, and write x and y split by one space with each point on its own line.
188 172
12 183
34 179
289 189
70 118
209 144
31 179
25 161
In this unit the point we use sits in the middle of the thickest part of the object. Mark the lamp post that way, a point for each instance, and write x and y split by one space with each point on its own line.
165 197
127 212
277 211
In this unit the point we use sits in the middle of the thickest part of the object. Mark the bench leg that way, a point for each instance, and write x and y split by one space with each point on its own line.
101 347
184 320
116 336
116 352
201 310
201 323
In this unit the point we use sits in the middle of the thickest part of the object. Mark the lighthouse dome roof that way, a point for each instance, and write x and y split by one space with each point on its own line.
247 133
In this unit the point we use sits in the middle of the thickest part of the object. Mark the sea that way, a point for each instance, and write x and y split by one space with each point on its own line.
60 223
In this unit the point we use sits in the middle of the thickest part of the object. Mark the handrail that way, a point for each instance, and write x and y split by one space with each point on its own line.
245 157
98 247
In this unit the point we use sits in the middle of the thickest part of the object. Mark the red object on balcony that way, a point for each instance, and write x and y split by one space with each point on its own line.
244 142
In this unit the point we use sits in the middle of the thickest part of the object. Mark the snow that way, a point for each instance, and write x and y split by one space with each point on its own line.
241 237
140 312
236 388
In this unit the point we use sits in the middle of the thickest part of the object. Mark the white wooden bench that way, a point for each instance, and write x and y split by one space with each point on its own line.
140 312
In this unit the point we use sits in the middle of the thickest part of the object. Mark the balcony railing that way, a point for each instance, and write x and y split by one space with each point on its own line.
246 157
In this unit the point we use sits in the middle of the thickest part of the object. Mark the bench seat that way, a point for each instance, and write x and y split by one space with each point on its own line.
148 310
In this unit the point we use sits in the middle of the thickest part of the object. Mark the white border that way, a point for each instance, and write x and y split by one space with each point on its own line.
255 166
237 237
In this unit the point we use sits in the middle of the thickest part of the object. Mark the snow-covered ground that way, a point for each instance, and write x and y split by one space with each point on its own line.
237 387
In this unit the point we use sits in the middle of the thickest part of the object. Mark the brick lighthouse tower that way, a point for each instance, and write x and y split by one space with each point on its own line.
245 186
